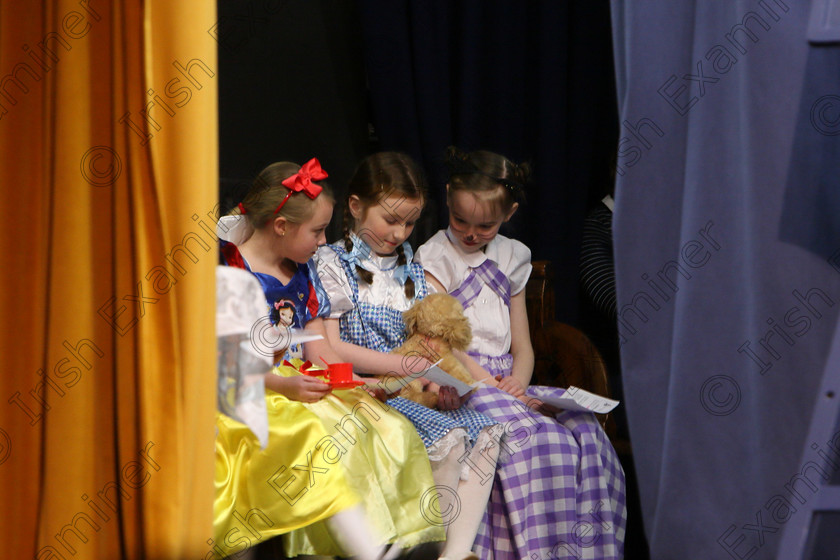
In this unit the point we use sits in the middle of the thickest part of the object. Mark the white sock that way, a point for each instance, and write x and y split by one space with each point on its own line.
350 529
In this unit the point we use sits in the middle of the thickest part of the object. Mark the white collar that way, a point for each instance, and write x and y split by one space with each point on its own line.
376 263
473 260
371 261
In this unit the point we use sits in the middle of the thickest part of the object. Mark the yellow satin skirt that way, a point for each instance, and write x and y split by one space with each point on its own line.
294 482
386 465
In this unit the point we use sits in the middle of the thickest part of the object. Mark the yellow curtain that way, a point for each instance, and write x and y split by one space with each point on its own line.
108 136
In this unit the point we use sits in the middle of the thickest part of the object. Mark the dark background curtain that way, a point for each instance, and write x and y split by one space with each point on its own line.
530 80
291 87
340 79
726 243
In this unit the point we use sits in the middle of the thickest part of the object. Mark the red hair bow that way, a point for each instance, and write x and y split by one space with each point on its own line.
302 181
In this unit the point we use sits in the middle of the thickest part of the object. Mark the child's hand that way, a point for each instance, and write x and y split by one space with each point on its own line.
379 392
511 385
303 388
448 398
539 406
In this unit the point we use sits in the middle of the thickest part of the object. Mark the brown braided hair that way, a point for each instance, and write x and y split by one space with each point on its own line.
383 172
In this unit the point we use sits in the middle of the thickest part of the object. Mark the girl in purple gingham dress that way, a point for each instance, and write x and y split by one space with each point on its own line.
559 489
371 280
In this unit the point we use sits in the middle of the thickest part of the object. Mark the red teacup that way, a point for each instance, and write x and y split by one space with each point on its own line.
341 373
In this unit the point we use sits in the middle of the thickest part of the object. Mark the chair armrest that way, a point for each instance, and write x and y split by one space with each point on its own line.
566 357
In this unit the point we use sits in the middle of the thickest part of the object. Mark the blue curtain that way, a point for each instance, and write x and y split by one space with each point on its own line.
726 236
530 80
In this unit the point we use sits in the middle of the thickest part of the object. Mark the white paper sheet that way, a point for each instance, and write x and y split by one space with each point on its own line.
437 375
576 398
434 374
299 336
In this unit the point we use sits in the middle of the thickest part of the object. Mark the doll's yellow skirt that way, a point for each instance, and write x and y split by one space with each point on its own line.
386 465
262 493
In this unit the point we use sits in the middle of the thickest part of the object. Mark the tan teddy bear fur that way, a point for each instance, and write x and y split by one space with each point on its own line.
435 326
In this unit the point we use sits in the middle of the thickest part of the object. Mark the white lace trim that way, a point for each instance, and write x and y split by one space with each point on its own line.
488 438
441 448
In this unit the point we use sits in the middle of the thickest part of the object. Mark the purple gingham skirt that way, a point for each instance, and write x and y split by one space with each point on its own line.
559 487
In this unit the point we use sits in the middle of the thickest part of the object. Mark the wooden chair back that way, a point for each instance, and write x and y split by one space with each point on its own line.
563 355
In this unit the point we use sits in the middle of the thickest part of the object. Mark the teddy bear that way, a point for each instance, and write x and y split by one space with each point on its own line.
435 326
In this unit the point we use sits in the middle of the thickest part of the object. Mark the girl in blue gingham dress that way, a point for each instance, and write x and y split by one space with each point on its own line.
371 279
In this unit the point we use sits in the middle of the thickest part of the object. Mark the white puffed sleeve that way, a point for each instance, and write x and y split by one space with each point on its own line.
235 229
436 258
520 266
334 281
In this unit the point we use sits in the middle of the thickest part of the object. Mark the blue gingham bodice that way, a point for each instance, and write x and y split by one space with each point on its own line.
377 327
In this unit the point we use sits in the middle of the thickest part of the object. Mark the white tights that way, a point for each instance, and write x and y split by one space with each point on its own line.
350 530
464 478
